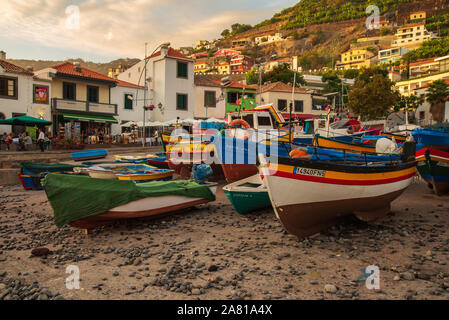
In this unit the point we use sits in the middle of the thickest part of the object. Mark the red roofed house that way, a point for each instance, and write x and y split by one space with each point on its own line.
280 95
21 93
226 52
80 101
241 64
170 86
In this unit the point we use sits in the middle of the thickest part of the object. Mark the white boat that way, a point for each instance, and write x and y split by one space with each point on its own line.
309 196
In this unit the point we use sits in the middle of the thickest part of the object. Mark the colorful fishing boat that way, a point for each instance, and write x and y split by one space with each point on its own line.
248 195
88 203
238 158
159 160
89 154
399 138
146 175
433 166
320 141
308 196
433 138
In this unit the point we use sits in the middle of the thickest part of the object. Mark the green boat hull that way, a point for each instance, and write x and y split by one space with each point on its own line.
246 202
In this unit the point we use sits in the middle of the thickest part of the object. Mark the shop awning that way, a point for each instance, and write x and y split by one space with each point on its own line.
89 117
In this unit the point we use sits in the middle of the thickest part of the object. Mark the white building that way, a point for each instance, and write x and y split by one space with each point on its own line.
21 93
170 84
411 36
129 100
210 99
280 95
268 38
391 55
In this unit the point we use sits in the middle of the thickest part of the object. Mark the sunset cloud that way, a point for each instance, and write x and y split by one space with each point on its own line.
119 28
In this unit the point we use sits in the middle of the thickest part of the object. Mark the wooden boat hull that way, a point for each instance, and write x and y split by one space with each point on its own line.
309 196
142 177
433 139
237 172
158 164
335 144
89 154
248 195
433 166
148 207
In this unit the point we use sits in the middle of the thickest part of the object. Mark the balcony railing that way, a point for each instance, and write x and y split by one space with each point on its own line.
84 106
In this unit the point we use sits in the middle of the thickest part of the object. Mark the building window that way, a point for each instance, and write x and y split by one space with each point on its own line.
8 87
209 99
282 105
69 91
233 96
128 101
181 101
299 106
92 94
182 69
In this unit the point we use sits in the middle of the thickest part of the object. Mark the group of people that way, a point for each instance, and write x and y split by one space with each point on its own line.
23 140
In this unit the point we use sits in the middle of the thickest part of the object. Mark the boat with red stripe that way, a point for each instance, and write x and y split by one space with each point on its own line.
308 196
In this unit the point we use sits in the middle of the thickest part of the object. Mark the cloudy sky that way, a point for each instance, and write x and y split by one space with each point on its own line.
102 30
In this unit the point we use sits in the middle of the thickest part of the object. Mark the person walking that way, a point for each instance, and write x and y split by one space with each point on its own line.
41 139
8 141
27 141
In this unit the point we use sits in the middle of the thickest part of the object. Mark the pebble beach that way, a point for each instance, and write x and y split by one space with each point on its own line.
211 252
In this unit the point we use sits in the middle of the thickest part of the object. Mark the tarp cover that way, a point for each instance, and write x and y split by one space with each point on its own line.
46 167
75 197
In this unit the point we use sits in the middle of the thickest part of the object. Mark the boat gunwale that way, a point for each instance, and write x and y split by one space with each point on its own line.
346 168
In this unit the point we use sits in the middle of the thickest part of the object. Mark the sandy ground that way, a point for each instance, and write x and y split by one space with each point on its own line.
211 252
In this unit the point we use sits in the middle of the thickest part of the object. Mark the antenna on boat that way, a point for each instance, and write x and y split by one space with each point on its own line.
290 138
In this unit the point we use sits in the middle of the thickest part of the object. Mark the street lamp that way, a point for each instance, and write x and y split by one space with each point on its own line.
164 45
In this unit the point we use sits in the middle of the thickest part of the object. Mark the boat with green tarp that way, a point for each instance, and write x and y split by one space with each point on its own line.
86 203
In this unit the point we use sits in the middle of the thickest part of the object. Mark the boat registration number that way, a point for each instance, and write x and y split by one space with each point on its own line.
309 172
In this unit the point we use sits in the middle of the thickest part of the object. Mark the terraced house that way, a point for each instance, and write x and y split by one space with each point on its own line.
22 93
356 59
80 100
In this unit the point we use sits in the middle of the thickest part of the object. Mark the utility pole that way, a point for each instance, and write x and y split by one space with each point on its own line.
145 96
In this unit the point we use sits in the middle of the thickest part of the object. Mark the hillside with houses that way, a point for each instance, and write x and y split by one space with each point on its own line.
327 44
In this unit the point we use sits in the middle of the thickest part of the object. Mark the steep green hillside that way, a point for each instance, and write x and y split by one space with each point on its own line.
308 12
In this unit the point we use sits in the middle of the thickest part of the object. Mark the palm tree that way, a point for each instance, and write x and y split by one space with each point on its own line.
436 96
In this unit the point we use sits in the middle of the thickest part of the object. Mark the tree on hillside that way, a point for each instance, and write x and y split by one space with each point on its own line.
334 85
283 74
252 76
437 94
410 103
372 97
428 49
351 73
239 28
225 33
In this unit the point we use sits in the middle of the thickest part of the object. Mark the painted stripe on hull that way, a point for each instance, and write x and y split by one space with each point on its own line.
329 143
286 191
305 207
343 178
